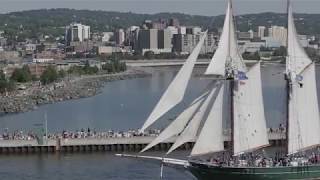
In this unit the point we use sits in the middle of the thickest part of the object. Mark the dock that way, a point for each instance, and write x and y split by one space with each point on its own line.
91 144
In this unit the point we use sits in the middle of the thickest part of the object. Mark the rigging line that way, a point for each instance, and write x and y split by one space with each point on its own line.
207 88
235 36
303 70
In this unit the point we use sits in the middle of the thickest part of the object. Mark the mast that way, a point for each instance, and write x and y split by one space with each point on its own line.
231 85
288 86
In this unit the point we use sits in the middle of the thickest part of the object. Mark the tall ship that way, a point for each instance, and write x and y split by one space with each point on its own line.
235 95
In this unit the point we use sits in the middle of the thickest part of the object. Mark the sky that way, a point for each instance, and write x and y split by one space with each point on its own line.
194 7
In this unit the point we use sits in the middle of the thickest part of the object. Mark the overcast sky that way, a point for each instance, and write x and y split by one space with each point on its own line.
196 7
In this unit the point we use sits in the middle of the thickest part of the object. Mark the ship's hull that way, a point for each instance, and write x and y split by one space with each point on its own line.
208 172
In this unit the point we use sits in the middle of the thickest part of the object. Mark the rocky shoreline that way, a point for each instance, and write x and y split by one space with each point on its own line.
67 89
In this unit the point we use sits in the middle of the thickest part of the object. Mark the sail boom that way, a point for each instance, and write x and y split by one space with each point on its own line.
206 153
305 149
252 150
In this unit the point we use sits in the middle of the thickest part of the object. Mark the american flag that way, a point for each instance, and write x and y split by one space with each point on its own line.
242 76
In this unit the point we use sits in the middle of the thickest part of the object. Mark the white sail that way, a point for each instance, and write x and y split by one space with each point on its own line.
227 49
304 120
177 126
190 133
250 129
211 138
176 90
297 58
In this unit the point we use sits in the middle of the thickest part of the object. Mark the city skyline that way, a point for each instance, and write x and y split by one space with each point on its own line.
202 7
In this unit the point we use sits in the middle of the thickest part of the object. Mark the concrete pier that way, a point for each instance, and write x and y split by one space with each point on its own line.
129 144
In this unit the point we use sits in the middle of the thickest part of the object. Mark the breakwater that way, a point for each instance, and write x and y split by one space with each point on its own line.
67 89
109 144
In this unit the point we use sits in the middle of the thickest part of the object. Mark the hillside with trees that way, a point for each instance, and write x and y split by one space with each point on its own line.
36 23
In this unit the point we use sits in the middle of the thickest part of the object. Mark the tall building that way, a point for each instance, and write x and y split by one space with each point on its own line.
193 30
173 30
278 33
182 30
261 31
251 33
164 39
77 32
119 37
244 35
185 43
157 41
147 24
174 22
160 24
131 36
148 39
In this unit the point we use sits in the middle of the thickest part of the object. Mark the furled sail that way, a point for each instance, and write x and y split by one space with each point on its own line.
303 115
227 53
176 90
177 126
190 133
304 120
211 137
250 129
297 57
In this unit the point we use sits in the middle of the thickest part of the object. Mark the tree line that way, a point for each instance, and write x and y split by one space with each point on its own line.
35 23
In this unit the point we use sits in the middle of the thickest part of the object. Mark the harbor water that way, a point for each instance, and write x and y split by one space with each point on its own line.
122 105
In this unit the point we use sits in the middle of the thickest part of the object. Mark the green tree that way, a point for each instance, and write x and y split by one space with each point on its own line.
62 73
22 75
149 55
114 66
2 76
75 70
251 56
49 75
5 84
87 69
282 51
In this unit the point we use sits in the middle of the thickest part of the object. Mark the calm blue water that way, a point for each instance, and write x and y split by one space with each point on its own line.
121 106
126 104
97 166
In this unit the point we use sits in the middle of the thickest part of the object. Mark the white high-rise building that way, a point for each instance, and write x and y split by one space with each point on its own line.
279 33
120 37
173 30
261 31
182 30
251 33
77 32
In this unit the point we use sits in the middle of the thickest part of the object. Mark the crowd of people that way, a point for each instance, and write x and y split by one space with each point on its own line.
258 160
92 133
83 133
